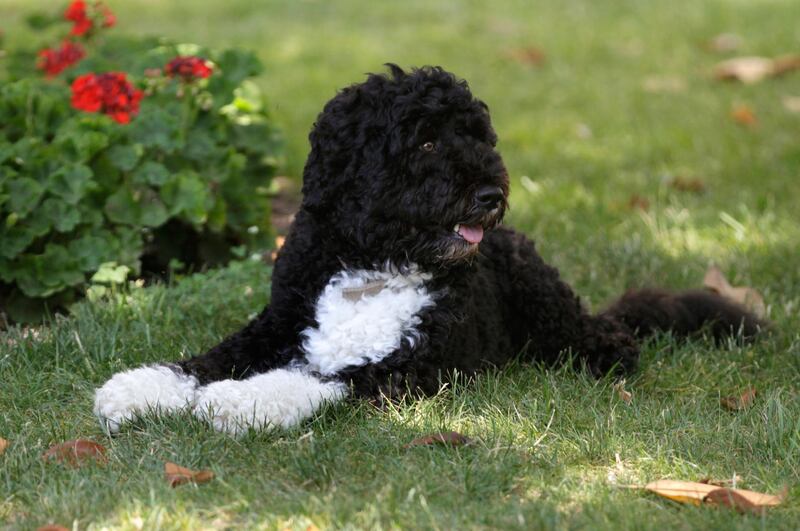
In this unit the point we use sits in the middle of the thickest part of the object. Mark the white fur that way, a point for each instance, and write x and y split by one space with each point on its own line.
156 387
278 398
357 332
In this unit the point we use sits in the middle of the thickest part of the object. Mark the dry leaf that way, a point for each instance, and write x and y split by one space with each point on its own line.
178 475
738 403
75 453
791 103
787 63
744 115
697 493
661 84
724 42
529 56
742 500
754 69
688 184
749 297
52 527
450 438
624 395
681 491
638 202
3 445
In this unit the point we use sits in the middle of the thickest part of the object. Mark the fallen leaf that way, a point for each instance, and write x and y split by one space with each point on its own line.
687 184
742 500
638 202
624 395
738 403
791 103
75 453
715 281
528 55
744 115
787 63
662 84
698 493
52 527
753 69
681 491
3 445
450 438
724 42
178 475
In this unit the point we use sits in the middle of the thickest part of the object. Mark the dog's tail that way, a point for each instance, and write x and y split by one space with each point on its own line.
648 311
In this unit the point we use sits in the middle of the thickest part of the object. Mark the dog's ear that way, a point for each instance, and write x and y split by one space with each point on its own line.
346 138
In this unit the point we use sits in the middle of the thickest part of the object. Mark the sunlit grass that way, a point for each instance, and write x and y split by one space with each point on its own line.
580 135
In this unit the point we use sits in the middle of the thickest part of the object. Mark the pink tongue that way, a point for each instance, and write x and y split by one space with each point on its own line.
471 233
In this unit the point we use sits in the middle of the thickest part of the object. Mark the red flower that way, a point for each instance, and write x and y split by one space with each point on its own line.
188 68
109 93
53 62
85 18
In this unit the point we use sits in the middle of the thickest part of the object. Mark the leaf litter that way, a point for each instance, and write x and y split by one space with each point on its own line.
178 475
76 453
749 297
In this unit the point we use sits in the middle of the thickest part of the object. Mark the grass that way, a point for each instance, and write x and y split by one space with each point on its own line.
580 136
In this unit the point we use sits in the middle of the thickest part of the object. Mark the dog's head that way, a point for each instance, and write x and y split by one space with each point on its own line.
403 168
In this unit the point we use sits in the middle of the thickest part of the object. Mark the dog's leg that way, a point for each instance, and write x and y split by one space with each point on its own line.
280 398
158 388
550 316
170 387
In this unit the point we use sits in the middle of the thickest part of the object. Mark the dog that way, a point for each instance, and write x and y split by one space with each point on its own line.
396 274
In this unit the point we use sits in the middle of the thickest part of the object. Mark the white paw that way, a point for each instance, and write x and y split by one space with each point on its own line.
156 387
278 398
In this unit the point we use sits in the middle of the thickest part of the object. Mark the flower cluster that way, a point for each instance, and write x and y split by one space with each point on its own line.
188 68
110 93
85 17
54 61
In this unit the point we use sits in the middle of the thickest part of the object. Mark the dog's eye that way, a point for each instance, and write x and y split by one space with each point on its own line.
428 147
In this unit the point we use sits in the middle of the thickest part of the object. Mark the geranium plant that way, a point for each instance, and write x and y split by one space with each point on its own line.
129 150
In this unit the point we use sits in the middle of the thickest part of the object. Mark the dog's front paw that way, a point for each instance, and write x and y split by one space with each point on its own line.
280 398
157 387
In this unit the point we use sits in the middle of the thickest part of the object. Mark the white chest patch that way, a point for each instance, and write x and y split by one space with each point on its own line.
363 316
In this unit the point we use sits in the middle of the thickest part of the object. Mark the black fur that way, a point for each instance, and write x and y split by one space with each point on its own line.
395 163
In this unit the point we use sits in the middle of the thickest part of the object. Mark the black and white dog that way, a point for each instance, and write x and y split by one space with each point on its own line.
395 274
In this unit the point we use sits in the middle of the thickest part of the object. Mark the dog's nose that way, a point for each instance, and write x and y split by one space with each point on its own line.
489 196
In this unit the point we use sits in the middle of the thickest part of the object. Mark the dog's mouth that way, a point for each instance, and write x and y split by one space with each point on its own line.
472 231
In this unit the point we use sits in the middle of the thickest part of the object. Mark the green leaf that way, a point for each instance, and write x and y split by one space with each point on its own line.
90 250
60 215
83 145
153 211
125 157
122 207
111 273
14 239
158 126
71 182
188 195
50 272
151 173
24 195
136 207
40 20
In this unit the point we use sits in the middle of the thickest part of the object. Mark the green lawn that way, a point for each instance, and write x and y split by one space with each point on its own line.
581 135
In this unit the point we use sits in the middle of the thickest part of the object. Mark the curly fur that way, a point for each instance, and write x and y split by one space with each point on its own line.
403 191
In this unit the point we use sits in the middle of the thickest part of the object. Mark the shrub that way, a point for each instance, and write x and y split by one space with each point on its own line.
128 150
